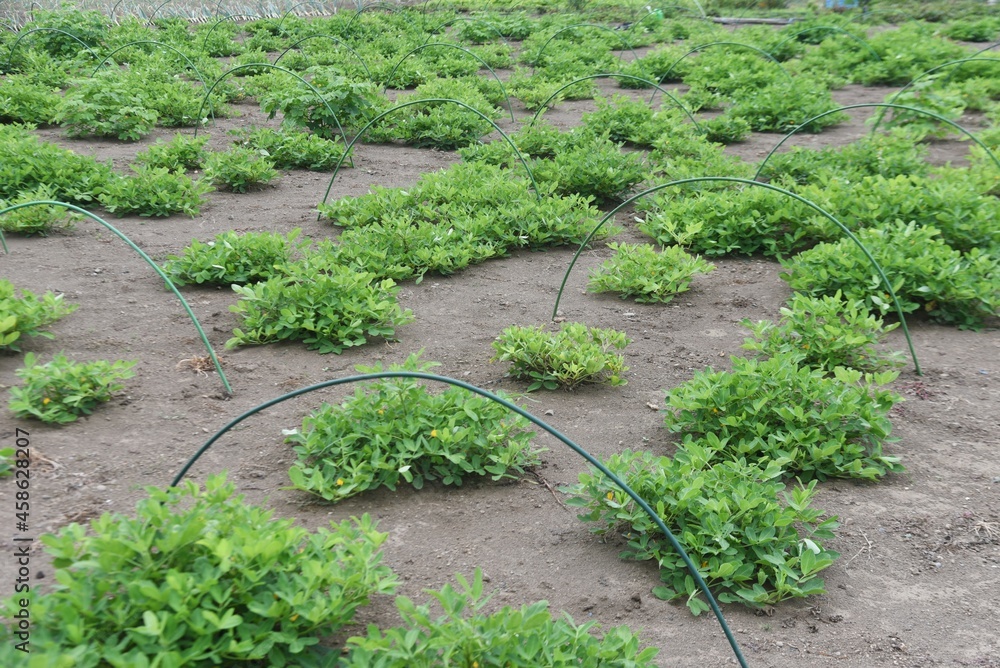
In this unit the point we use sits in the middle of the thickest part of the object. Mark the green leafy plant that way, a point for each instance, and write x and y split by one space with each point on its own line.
6 462
351 102
200 577
396 430
240 169
465 635
154 191
180 154
575 354
829 331
25 316
777 410
288 149
104 108
329 311
28 163
981 30
232 258
638 270
25 101
596 168
60 391
962 289
40 219
748 546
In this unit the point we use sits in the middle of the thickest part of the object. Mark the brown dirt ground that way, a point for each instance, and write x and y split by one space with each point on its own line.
918 579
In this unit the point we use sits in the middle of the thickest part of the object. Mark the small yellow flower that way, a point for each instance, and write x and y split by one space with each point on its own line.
475 664
805 346
434 433
45 401
611 495
340 482
295 616
381 411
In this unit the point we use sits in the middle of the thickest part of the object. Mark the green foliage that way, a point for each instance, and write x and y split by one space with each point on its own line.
905 52
443 125
466 636
40 219
950 202
288 149
726 128
352 104
624 119
6 462
240 169
638 270
924 272
754 220
105 107
783 105
748 546
154 191
329 311
25 316
889 155
89 27
596 168
947 103
232 258
395 429
61 390
200 577
777 410
981 30
574 355
451 219
828 331
27 163
180 154
25 101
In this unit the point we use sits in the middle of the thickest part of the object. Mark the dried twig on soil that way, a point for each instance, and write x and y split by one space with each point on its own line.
199 364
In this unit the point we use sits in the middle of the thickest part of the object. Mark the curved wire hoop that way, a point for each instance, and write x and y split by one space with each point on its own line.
149 261
593 461
732 179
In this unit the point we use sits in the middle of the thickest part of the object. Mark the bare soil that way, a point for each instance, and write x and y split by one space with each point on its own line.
918 580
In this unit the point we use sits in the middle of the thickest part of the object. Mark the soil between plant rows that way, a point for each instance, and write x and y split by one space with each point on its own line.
919 576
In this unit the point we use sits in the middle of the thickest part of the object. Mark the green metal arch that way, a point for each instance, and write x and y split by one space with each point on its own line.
958 127
692 569
364 8
768 186
724 42
959 61
34 30
460 48
296 6
987 48
541 49
335 39
832 29
227 17
149 21
403 105
468 19
623 76
282 69
149 261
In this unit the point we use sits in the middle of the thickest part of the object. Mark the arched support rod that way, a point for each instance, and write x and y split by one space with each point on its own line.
986 48
593 461
702 46
34 30
410 103
149 21
374 5
149 261
830 29
876 104
620 76
335 39
228 17
732 179
399 62
293 8
950 63
282 69
469 19
541 50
